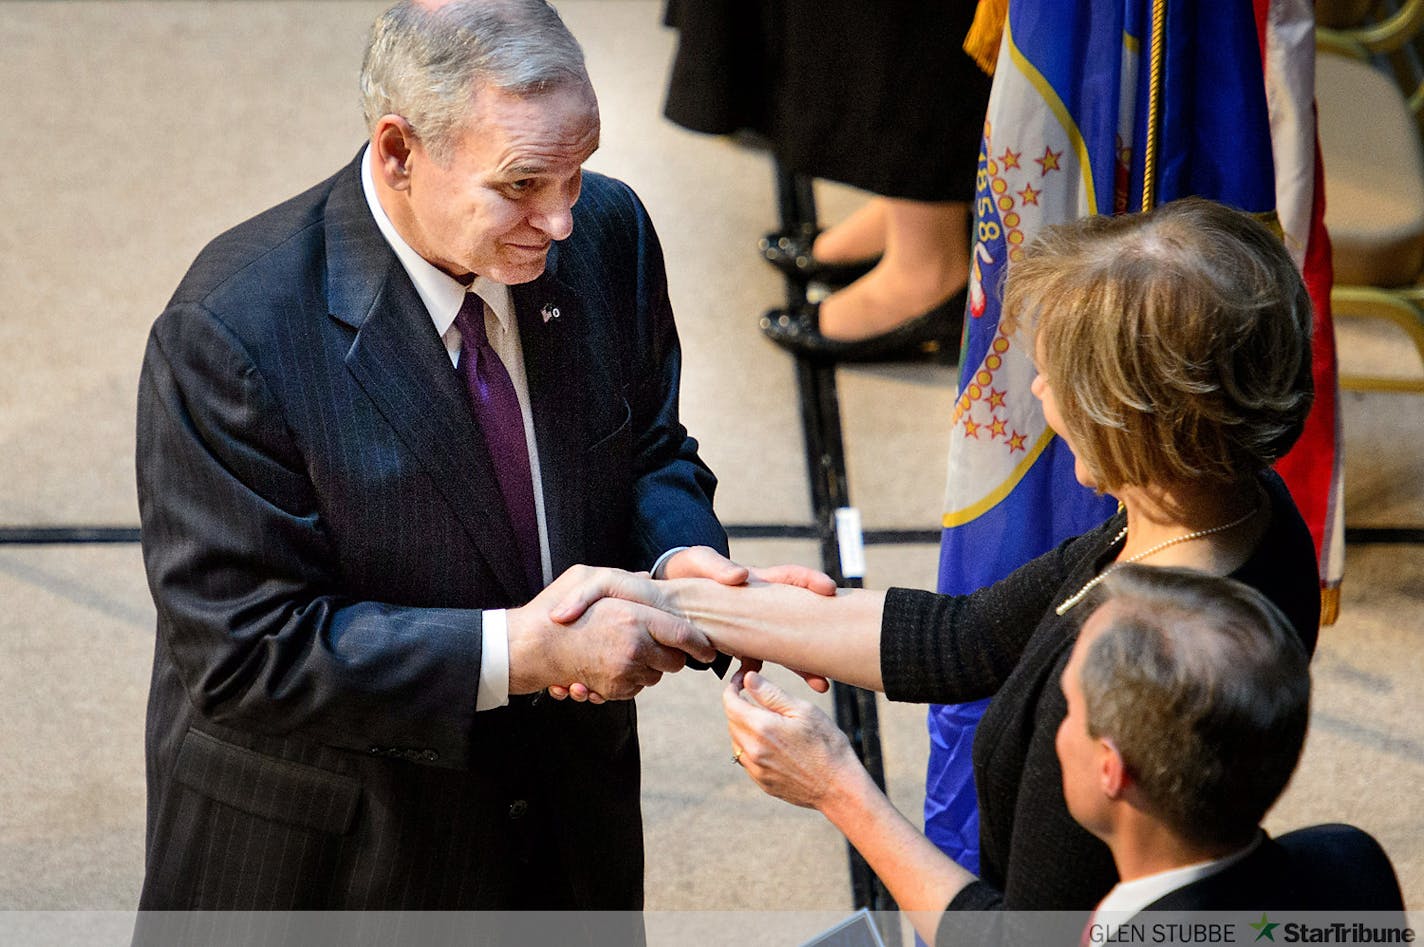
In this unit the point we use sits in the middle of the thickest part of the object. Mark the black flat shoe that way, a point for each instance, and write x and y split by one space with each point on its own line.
934 335
790 252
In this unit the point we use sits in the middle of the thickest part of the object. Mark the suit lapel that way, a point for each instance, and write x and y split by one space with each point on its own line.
553 335
402 366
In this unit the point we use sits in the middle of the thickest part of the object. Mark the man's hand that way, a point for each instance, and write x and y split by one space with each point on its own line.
694 562
790 748
614 648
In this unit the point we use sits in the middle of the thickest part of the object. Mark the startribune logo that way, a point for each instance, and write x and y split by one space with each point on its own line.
1265 929
1335 932
1205 928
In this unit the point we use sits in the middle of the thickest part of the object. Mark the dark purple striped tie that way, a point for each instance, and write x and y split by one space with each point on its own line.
496 409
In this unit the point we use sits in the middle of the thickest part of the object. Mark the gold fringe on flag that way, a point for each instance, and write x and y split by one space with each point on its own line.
1329 605
985 33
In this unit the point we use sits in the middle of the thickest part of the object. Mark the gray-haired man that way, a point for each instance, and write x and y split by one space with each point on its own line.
374 422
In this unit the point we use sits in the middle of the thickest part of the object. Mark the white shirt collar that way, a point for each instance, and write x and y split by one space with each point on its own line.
441 293
1128 898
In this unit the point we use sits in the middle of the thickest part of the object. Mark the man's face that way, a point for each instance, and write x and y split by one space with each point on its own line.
1079 754
509 184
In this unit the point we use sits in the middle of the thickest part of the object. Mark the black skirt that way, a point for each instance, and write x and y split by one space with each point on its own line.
878 95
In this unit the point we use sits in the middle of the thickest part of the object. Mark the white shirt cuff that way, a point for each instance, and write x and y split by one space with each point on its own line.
494 660
659 570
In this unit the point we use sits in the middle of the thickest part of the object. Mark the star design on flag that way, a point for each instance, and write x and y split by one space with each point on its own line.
1016 442
996 398
1049 161
1265 927
1010 158
998 428
971 429
1028 195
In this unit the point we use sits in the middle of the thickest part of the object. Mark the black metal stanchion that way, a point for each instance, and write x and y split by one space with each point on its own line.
825 460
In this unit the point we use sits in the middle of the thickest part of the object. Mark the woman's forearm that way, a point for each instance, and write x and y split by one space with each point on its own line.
833 636
921 878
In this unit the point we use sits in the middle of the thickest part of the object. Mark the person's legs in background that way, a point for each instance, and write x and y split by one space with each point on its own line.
861 236
925 261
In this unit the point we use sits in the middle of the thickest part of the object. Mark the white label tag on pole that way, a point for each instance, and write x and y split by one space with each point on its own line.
851 542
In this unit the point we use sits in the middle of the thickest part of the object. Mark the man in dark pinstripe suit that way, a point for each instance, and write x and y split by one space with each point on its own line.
345 709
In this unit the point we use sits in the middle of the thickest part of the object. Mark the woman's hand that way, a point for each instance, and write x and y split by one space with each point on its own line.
789 747
695 562
795 752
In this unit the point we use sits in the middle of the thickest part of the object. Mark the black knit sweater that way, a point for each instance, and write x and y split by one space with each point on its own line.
1006 641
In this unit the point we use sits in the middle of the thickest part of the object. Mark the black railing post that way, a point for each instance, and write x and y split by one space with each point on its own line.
855 708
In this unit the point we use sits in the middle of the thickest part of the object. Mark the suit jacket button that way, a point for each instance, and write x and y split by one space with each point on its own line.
430 756
518 808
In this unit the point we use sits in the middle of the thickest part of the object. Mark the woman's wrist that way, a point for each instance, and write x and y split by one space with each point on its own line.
849 790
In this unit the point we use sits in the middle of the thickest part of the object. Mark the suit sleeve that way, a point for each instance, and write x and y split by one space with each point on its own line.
246 583
673 488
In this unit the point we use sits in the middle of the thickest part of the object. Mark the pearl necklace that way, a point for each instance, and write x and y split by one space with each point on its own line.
1093 583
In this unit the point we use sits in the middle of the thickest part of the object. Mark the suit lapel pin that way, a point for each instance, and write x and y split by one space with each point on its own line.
549 312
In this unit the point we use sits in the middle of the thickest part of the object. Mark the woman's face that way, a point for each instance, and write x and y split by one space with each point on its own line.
1043 391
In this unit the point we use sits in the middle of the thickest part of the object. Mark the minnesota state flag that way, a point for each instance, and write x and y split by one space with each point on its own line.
1067 135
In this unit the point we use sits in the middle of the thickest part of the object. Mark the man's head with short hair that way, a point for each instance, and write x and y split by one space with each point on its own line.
1176 342
1200 687
425 61
481 118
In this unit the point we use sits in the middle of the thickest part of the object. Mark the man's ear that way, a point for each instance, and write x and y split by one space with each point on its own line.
1113 778
393 143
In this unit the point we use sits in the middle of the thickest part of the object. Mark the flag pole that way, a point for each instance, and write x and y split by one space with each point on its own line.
1154 100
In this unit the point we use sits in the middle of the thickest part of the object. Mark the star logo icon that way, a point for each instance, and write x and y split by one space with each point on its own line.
1265 927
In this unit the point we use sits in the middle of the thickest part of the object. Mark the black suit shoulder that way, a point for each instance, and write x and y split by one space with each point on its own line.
283 237
257 293
1322 868
605 209
614 257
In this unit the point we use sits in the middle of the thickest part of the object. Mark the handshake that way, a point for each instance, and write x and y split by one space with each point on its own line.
600 634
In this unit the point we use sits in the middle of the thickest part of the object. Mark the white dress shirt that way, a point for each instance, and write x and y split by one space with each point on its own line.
1128 898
